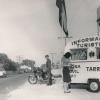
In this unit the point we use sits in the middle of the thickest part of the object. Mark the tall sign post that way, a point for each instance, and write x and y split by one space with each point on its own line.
98 20
65 38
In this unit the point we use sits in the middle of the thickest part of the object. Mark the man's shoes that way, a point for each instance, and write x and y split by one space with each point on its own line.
49 84
67 91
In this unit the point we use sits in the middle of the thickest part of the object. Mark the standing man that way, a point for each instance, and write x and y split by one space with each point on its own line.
48 66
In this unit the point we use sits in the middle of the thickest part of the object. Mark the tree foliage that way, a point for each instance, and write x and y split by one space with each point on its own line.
8 64
28 62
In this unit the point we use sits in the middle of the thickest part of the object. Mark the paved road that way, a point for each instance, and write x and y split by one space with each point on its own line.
9 84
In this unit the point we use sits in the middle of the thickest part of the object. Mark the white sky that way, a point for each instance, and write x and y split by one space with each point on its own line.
30 27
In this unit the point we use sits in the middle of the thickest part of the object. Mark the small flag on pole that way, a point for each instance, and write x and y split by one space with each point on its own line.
62 15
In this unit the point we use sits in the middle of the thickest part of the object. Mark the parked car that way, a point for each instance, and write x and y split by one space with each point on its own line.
3 73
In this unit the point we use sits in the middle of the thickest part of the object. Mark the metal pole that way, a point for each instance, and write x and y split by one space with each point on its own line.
65 38
52 57
98 28
65 41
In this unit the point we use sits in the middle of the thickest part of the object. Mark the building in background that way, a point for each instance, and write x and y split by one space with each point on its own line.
25 69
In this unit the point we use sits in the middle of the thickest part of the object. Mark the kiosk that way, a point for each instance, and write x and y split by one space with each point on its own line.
85 62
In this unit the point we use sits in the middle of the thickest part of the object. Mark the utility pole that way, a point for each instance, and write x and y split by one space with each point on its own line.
19 59
52 57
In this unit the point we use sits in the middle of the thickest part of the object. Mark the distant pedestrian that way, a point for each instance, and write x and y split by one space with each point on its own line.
48 66
66 72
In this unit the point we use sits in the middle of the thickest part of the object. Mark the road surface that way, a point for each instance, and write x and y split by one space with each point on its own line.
18 88
10 83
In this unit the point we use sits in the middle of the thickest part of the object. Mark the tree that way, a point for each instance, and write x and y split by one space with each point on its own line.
12 65
8 64
4 60
29 63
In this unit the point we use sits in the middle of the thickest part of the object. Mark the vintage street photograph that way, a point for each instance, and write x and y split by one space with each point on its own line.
49 49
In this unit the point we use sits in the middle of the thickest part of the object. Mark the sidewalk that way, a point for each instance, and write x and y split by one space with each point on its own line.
54 92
